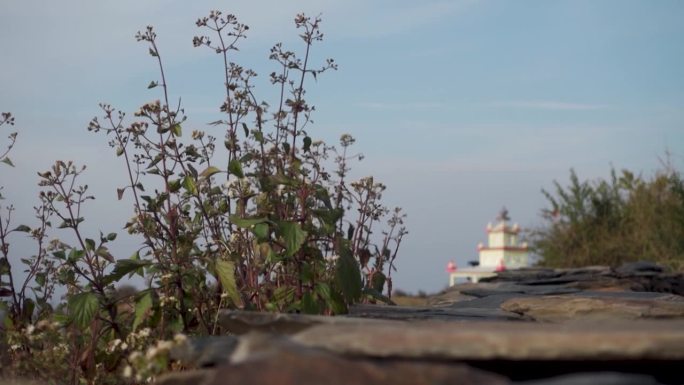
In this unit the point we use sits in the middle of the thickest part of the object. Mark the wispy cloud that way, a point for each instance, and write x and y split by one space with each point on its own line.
402 106
549 105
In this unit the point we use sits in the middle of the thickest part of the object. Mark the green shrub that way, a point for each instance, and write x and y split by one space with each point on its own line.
264 228
609 222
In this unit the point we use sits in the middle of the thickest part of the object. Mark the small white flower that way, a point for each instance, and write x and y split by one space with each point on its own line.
180 338
151 352
128 371
165 345
30 329
113 345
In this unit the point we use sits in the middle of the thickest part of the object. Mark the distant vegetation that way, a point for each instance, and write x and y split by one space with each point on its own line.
608 222
255 223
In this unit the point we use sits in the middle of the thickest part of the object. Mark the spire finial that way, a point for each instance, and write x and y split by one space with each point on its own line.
503 215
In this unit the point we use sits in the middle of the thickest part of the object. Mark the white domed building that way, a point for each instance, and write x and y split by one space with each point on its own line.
503 251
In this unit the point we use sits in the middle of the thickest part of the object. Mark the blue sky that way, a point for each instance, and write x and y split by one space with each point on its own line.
459 106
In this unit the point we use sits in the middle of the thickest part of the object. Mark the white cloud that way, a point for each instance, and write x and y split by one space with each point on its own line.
550 105
402 106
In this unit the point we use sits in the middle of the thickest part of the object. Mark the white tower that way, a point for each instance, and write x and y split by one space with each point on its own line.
503 245
503 251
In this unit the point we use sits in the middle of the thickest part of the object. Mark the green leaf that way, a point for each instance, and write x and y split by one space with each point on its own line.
283 179
322 195
142 305
246 158
28 308
329 216
82 308
378 281
119 151
4 266
126 266
347 274
309 305
23 228
332 299
260 230
75 255
293 235
153 52
307 143
154 162
152 85
90 244
60 254
119 193
244 127
174 185
176 324
283 295
377 295
192 170
176 129
235 168
40 279
111 236
209 171
189 185
225 270
306 273
7 161
7 320
246 223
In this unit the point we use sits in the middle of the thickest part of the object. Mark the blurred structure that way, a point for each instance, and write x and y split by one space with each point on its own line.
503 251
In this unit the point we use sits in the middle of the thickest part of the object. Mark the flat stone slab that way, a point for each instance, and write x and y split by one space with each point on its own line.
609 308
506 288
203 352
625 294
241 322
602 378
633 340
489 302
267 359
536 326
462 313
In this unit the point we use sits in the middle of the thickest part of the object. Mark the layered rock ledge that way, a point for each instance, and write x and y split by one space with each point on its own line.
593 325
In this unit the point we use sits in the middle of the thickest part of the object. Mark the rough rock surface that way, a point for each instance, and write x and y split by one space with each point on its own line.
504 341
593 325
563 308
268 359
